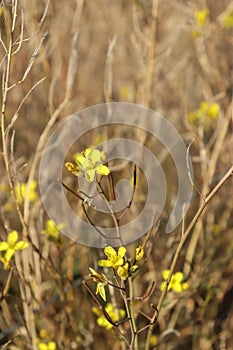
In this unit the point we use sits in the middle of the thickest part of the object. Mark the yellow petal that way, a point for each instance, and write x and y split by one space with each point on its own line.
51 345
123 272
204 106
4 246
95 156
21 245
165 274
178 276
96 310
90 175
102 170
121 252
9 254
213 111
104 263
87 152
79 158
12 237
42 346
162 286
109 251
185 286
101 291
177 287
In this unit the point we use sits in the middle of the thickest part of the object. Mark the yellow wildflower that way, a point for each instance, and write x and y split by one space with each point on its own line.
114 259
101 281
176 282
10 247
205 114
102 321
201 17
88 164
123 271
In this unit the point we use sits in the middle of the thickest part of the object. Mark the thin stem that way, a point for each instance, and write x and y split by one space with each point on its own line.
118 235
134 343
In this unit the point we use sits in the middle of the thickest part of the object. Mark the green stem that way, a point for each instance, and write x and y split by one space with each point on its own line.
134 344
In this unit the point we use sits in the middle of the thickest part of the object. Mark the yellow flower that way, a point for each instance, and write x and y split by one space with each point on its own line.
47 346
228 21
114 259
201 17
21 189
139 253
88 164
10 247
101 281
205 114
176 282
52 231
102 321
213 111
123 271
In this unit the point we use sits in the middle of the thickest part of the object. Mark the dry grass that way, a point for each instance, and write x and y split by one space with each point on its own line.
91 52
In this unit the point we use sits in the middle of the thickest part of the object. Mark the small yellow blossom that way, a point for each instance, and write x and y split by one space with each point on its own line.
101 281
21 190
176 282
10 247
89 163
113 314
228 21
139 253
205 114
114 259
51 345
123 271
51 231
201 17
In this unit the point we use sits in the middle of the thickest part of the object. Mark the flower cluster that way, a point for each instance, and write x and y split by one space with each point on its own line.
88 164
10 247
176 284
44 342
205 114
113 314
116 260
